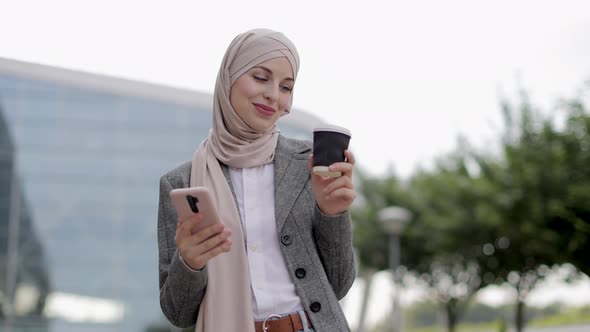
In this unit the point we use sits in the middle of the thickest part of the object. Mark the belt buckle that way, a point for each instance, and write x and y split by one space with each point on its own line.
264 327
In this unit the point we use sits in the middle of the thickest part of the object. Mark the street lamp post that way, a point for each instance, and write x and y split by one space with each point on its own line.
394 219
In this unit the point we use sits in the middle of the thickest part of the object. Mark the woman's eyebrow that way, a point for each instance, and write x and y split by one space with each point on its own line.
270 72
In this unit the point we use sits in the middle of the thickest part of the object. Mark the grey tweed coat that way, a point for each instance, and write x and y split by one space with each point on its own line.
317 248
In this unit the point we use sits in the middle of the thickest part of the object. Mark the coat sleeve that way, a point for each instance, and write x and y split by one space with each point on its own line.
333 237
181 290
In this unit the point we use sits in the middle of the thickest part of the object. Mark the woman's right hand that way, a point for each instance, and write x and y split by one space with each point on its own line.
198 247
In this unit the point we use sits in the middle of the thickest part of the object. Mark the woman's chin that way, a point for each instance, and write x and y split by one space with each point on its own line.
262 126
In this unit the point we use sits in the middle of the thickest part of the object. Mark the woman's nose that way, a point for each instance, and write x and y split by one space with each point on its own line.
271 92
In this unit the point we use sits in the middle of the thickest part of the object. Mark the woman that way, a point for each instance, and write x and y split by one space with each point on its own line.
283 257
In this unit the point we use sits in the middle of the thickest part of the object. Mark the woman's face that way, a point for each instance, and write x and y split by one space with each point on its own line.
263 94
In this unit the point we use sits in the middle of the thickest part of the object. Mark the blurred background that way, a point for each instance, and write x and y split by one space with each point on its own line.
469 121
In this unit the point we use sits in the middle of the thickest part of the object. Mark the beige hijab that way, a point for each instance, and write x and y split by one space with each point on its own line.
227 303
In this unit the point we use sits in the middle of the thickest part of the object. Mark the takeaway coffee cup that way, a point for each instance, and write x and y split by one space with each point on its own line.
329 143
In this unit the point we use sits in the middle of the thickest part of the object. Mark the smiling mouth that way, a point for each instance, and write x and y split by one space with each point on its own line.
265 110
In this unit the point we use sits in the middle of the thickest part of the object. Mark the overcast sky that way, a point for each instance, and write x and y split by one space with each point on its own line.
405 77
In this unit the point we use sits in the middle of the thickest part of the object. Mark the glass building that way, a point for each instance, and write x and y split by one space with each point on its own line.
80 160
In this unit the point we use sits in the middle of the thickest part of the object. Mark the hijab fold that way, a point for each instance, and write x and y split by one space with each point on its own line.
227 304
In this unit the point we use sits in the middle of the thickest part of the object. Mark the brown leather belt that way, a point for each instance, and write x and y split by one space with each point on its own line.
291 323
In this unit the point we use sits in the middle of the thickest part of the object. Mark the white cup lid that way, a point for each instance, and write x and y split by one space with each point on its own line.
337 129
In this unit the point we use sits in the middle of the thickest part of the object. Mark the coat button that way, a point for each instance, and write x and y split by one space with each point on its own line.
300 273
315 307
286 240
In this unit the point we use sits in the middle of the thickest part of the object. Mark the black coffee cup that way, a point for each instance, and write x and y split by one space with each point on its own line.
329 143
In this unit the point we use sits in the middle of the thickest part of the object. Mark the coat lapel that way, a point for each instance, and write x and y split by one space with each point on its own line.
291 174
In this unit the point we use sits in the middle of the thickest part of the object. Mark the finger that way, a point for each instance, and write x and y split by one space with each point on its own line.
208 232
182 229
187 224
345 194
214 241
319 183
343 167
349 157
196 225
347 166
207 256
341 182
200 259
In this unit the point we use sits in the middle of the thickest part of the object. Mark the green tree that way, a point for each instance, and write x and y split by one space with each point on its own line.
483 217
443 242
542 187
571 218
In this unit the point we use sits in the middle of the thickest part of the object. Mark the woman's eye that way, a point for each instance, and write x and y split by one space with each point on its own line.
260 78
286 88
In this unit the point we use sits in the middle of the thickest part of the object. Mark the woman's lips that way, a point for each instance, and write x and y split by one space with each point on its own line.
264 110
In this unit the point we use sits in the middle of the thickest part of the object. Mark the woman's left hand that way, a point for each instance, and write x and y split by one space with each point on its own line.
334 195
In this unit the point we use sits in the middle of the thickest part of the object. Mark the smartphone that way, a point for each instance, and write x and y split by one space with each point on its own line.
189 201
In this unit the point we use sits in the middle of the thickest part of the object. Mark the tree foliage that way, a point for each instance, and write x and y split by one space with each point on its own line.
492 217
